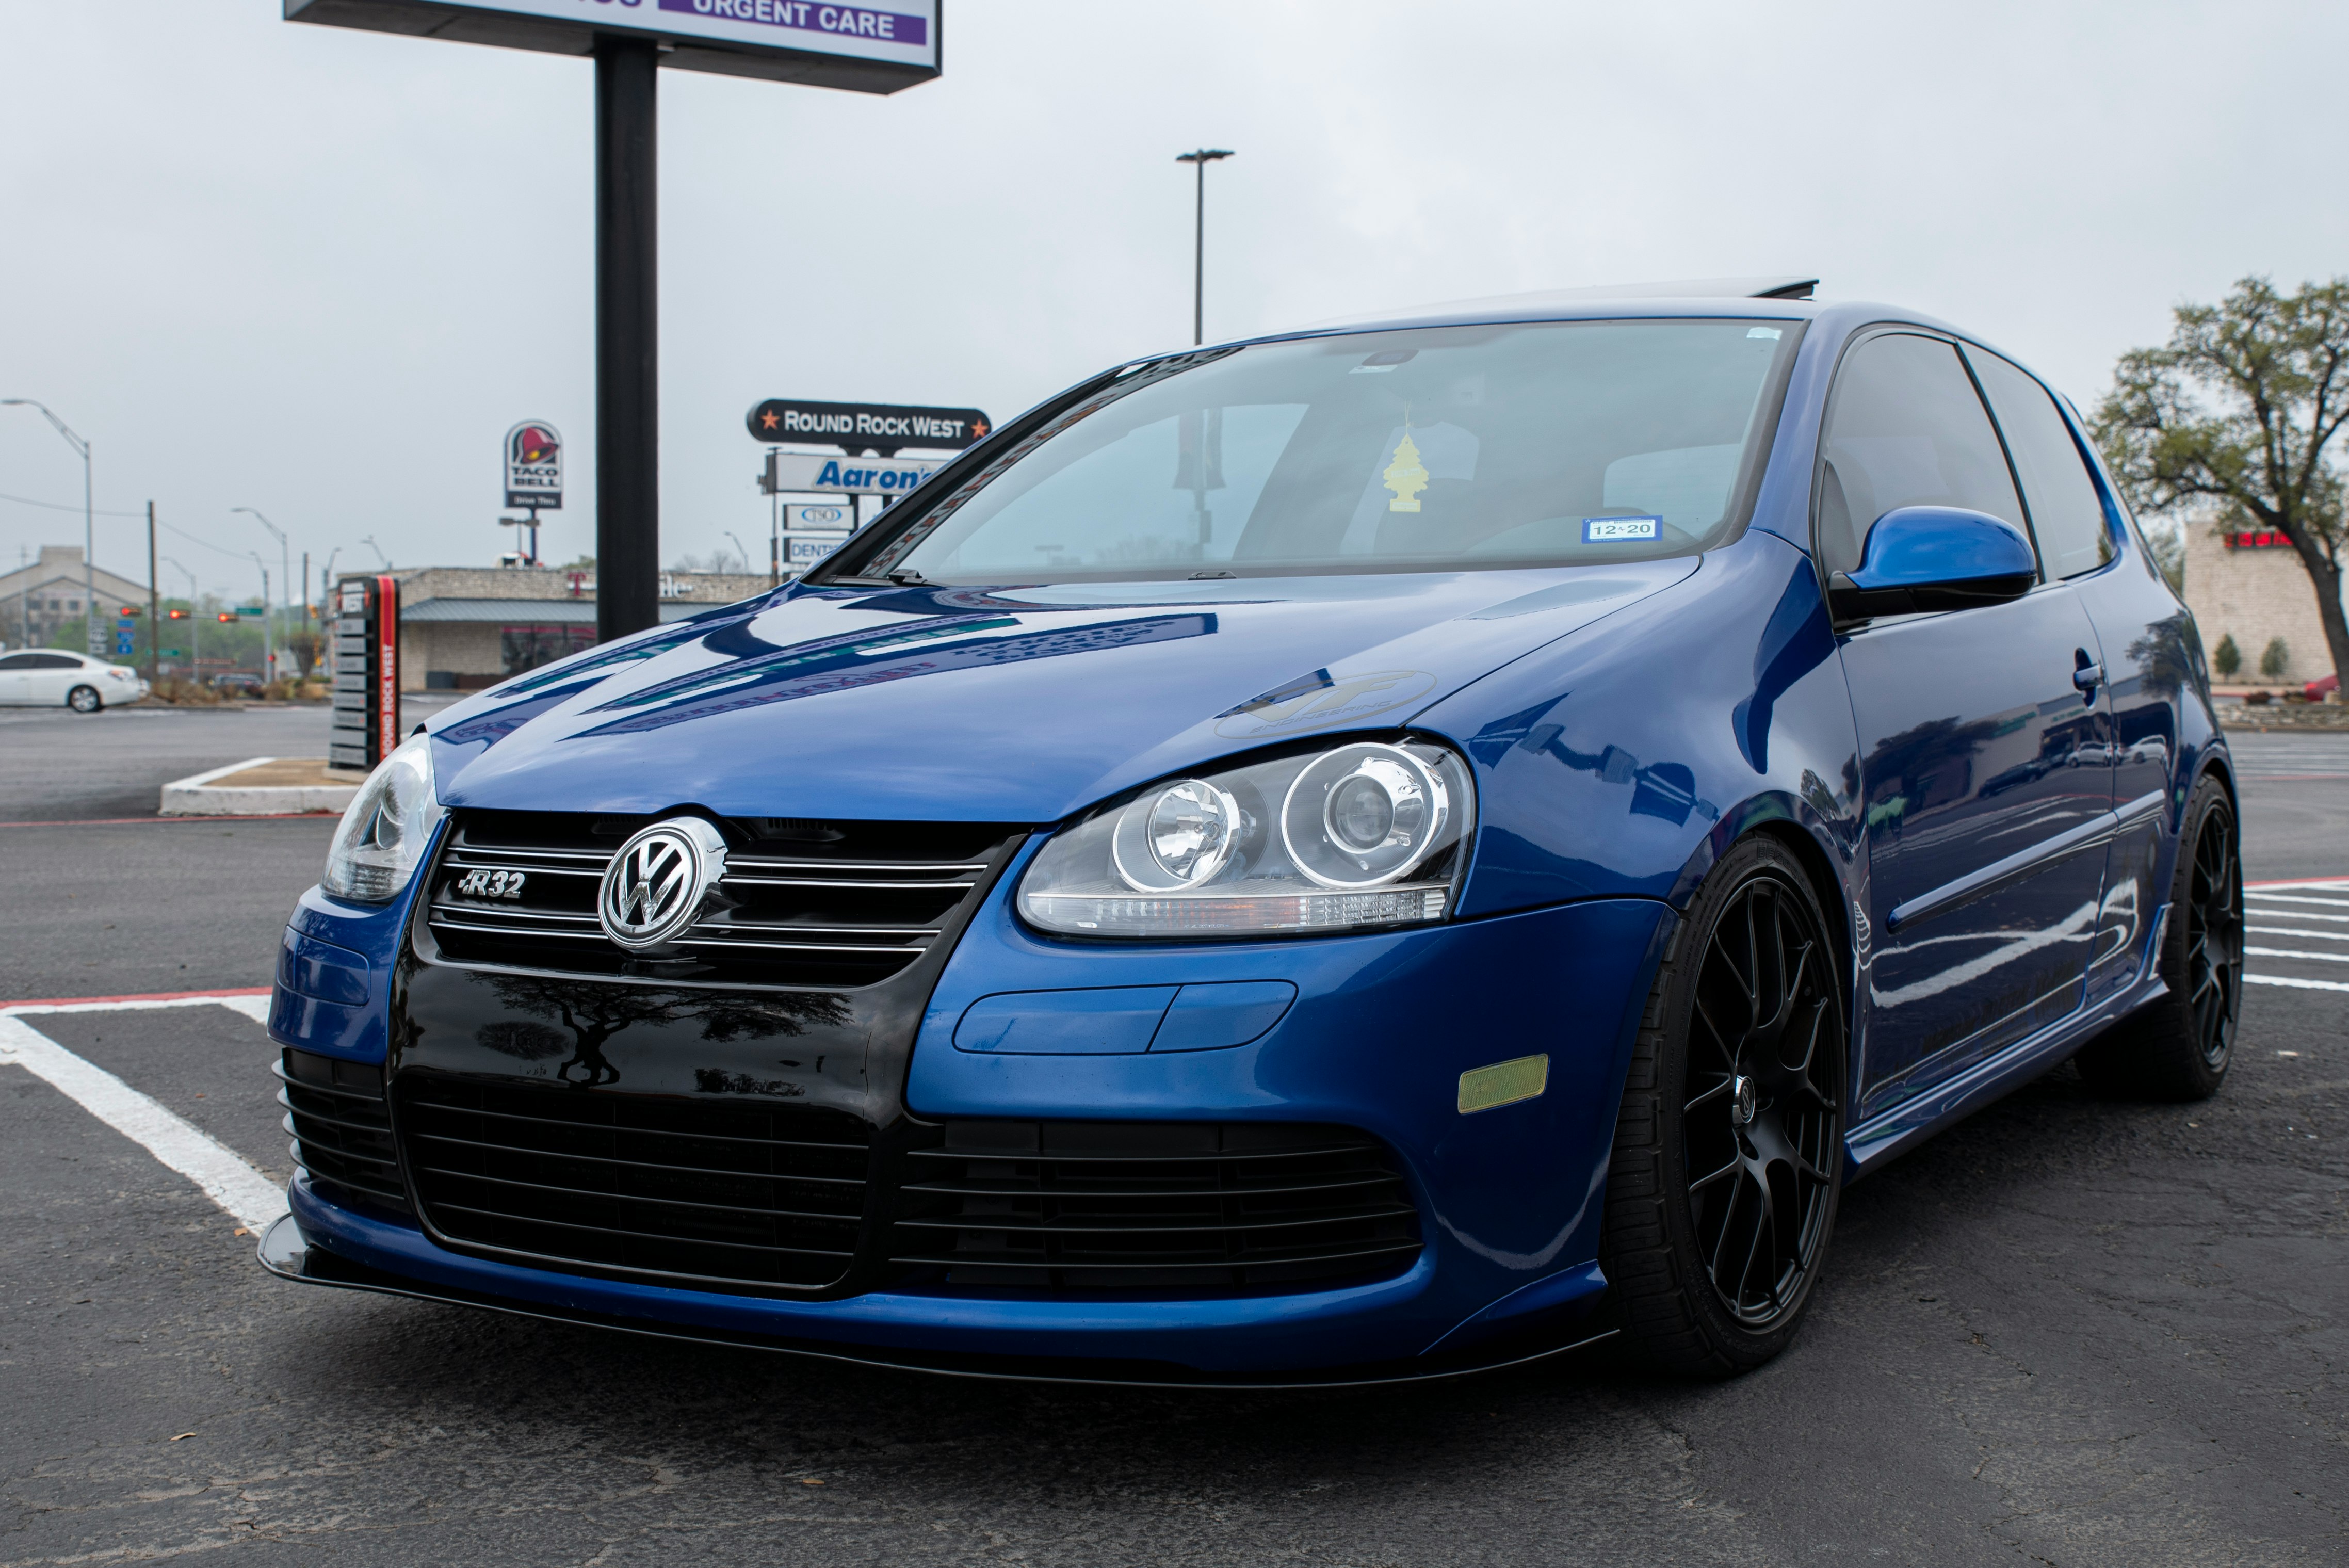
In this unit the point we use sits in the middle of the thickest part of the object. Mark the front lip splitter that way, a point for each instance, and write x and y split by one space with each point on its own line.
287 1253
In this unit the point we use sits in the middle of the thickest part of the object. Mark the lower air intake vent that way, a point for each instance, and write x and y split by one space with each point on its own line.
700 1196
342 1137
1153 1206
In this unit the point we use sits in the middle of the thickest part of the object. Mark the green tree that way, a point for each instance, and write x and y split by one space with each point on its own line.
2227 658
2240 408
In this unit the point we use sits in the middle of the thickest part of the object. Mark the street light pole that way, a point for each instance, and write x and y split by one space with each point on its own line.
1199 160
88 526
285 575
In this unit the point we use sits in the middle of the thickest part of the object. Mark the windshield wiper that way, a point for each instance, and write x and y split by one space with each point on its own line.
906 576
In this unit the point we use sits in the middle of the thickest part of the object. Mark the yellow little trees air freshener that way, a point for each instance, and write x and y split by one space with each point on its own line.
1405 476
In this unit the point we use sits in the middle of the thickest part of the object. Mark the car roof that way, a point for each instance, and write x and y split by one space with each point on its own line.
1769 298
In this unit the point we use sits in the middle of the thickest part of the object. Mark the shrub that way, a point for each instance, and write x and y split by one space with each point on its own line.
2226 659
2275 658
2258 699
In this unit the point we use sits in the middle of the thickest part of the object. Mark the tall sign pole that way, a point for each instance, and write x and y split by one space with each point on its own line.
878 47
628 359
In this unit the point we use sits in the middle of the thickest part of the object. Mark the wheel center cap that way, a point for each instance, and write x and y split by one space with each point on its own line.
1742 1104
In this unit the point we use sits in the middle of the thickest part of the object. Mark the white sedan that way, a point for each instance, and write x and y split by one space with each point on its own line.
50 678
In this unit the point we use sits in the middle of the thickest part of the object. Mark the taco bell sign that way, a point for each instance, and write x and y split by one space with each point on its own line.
534 466
877 47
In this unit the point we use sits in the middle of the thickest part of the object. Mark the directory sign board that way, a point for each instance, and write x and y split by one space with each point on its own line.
875 47
868 427
366 625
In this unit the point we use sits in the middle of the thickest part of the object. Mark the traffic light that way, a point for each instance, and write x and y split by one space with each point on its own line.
127 611
228 615
176 615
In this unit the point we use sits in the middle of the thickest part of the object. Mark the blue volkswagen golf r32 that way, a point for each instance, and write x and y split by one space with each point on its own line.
1357 853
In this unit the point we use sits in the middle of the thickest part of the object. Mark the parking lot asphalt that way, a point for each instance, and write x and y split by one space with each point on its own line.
2069 1331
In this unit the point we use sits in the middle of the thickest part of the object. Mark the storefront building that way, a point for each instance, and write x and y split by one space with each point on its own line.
465 627
2252 586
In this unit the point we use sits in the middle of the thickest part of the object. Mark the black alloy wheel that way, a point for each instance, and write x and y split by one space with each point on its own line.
84 700
2177 1047
1729 1147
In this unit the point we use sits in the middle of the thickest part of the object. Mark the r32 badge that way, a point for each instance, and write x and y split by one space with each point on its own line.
490 885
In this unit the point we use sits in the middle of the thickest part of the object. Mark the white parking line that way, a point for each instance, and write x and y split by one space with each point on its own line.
2294 899
225 1177
2293 953
2296 931
2296 984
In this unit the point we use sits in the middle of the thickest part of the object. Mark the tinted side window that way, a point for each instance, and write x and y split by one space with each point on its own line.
21 661
54 661
2066 513
1906 429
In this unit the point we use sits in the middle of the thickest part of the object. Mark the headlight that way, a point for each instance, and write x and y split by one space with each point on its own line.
1366 834
384 829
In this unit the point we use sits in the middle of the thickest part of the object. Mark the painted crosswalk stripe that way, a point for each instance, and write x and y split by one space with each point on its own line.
2291 953
2297 898
224 1176
2296 984
2296 931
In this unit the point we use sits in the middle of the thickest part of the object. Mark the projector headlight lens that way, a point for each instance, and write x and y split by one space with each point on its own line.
1362 816
1358 835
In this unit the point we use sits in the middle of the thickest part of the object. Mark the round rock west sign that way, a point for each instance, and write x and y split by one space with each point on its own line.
856 428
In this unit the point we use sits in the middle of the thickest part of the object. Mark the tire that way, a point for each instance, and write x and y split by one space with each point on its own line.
84 700
2177 1047
1690 1182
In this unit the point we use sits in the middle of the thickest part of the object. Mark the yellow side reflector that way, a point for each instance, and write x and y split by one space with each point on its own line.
1503 1084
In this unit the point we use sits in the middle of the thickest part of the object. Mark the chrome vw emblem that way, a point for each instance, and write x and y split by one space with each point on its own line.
654 885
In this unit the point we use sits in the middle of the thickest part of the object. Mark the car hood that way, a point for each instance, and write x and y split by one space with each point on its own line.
1019 705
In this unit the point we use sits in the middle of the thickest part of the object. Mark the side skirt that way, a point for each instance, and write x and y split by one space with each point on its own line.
1892 1132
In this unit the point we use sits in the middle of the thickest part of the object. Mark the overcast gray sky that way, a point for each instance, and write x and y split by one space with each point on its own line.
320 272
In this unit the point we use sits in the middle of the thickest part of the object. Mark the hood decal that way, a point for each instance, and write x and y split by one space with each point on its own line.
871 660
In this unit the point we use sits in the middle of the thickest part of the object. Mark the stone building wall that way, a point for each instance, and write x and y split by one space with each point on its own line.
2255 596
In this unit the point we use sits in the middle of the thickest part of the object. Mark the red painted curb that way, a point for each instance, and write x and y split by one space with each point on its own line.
148 996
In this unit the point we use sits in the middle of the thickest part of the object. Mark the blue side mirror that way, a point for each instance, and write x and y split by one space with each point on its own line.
1934 558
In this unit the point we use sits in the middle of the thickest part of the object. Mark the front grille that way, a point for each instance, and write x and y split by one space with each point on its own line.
1162 1205
701 1196
342 1132
802 903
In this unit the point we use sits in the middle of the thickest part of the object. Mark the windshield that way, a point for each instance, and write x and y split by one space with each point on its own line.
1436 448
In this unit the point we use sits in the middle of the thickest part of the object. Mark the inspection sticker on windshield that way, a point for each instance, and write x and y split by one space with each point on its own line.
1620 530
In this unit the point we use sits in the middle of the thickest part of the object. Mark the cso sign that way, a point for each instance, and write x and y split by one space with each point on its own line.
865 49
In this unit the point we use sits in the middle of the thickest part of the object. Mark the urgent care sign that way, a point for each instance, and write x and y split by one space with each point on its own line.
870 48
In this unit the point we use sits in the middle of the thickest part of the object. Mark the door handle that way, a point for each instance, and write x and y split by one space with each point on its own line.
2088 677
